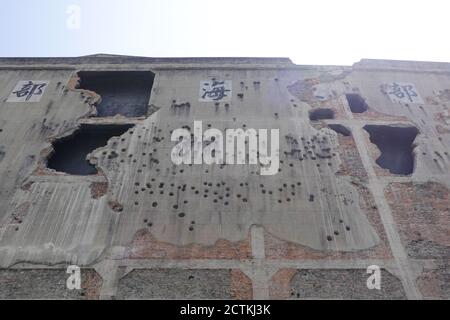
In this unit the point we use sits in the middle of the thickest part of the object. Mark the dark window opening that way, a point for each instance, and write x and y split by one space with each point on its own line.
321 114
356 103
396 146
126 93
339 128
70 153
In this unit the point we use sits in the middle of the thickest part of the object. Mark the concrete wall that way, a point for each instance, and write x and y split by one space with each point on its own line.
330 208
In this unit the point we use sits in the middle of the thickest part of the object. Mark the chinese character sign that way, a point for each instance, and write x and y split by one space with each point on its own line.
215 91
403 92
28 91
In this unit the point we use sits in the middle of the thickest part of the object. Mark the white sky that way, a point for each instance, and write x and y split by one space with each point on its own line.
309 32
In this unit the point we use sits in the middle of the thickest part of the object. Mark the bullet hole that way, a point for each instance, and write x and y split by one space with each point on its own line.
226 203
396 146
311 198
329 238
244 200
321 114
240 95
191 277
336 233
149 224
347 228
70 152
145 220
339 128
123 92
356 103
191 228
181 215
175 206
136 203
154 204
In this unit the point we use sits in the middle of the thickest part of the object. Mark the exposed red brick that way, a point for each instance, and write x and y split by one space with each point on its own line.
145 246
421 211
91 284
241 286
98 189
280 284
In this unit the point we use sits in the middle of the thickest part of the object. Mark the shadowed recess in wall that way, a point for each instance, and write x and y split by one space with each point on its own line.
70 152
339 128
125 93
396 146
321 114
356 103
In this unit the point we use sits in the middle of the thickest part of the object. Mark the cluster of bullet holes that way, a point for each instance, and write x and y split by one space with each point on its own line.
339 128
396 146
321 114
125 93
218 193
356 103
70 152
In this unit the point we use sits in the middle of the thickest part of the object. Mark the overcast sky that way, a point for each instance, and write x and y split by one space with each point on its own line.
309 32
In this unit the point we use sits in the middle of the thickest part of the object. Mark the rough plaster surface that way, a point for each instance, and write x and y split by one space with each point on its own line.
175 284
343 284
46 284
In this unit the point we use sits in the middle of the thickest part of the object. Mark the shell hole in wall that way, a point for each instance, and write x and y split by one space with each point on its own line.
70 152
356 103
321 114
125 93
396 147
339 128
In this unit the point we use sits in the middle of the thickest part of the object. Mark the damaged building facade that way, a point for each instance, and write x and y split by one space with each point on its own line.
87 179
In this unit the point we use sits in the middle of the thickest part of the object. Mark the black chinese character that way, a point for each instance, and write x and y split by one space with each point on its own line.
29 89
217 91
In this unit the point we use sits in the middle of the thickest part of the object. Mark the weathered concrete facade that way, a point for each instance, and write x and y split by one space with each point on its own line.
363 180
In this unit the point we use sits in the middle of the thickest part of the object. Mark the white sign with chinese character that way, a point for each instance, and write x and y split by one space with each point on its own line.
403 92
215 90
28 91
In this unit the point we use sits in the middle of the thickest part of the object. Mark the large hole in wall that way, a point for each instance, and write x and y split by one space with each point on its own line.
321 114
396 146
356 103
126 93
70 152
